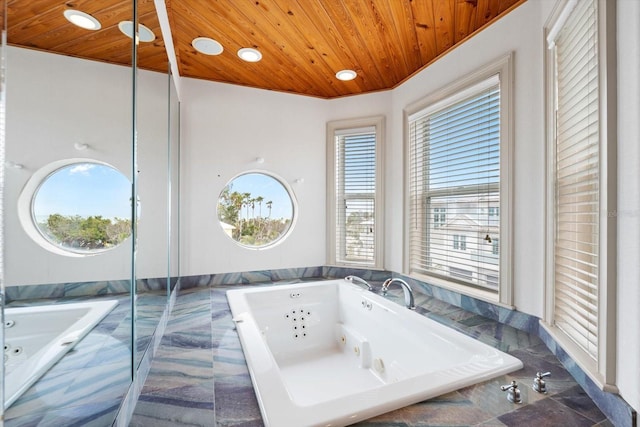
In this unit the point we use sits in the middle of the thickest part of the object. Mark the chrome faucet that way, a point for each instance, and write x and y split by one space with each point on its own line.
356 279
408 293
539 384
513 394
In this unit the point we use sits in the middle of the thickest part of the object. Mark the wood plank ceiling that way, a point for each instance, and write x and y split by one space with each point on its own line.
41 25
303 42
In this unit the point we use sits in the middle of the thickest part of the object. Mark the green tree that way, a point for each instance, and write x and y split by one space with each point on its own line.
93 232
229 205
118 230
250 230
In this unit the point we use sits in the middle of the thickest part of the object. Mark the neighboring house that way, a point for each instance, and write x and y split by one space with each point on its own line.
360 240
464 237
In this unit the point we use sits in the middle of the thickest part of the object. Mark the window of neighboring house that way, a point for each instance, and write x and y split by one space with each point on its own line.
458 146
460 242
582 170
496 246
355 192
439 216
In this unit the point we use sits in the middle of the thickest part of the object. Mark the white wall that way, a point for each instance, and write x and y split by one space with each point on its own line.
55 101
153 157
628 352
224 129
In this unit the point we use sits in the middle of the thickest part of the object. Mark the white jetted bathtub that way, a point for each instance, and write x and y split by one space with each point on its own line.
331 353
37 337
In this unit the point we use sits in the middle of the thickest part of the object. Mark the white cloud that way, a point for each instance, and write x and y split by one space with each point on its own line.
82 168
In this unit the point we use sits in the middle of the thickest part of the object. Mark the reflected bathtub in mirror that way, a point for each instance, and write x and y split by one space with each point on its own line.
37 337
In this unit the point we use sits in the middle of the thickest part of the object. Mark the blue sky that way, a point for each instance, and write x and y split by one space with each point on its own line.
271 189
84 189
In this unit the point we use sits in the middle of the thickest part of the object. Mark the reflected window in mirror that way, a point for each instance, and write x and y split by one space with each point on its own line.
83 208
256 210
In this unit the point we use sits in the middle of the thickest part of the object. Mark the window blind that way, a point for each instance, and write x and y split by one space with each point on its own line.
455 187
577 167
355 153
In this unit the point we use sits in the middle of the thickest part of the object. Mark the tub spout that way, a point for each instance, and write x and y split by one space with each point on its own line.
408 293
356 279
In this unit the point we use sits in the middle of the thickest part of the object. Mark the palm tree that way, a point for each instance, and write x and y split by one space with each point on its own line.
269 203
246 201
259 199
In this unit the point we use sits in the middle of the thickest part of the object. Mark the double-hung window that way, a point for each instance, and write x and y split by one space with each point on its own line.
354 196
457 150
581 187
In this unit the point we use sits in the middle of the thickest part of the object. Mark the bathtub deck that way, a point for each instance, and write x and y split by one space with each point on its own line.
317 377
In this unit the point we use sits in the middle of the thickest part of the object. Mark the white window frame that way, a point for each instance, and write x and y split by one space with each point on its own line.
603 370
503 68
344 127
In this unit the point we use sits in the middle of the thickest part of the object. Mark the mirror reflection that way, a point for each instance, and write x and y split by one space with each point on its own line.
70 103
48 122
83 207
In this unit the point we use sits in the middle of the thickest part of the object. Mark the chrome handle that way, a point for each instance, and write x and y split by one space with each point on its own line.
513 394
539 383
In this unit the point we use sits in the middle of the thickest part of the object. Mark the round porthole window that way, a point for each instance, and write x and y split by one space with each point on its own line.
256 210
82 208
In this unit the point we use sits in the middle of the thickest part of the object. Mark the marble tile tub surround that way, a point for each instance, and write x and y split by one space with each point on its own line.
83 289
200 378
612 405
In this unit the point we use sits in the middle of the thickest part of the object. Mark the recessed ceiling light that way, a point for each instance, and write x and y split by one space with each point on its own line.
144 33
249 54
207 46
346 75
81 19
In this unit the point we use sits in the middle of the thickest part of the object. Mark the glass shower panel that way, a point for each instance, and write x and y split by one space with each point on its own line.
152 127
3 48
174 184
67 207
